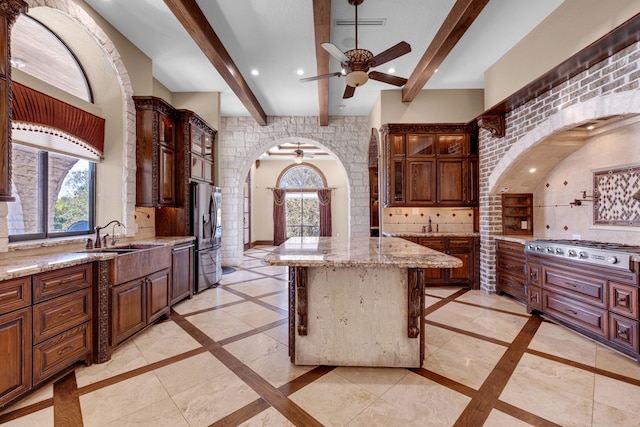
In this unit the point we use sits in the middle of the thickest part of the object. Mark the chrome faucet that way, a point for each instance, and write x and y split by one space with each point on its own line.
99 242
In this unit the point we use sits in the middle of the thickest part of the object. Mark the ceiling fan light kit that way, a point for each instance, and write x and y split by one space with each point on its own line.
356 62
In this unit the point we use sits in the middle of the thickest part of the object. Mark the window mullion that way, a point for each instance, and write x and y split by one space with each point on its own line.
43 193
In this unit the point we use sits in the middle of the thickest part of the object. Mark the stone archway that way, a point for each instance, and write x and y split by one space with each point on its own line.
241 141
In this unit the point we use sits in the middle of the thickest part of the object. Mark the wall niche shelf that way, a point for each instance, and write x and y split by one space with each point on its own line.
517 213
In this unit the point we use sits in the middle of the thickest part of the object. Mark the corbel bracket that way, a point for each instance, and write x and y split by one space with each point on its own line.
493 123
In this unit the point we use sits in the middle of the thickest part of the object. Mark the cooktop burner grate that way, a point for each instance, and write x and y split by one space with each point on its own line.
615 255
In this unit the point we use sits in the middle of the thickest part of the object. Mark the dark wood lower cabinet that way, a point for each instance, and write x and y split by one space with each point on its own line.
137 304
182 273
15 344
510 269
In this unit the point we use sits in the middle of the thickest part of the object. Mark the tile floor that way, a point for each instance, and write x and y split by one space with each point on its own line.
222 360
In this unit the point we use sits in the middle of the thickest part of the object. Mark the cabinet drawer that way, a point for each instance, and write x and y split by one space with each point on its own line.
623 299
582 288
57 315
534 298
511 286
15 294
624 332
588 317
436 243
511 266
460 243
533 273
59 352
511 248
197 167
60 282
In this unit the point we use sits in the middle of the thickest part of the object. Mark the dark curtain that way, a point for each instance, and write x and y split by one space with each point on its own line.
324 197
279 217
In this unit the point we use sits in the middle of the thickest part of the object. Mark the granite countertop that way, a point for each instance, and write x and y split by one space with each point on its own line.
439 234
358 252
21 263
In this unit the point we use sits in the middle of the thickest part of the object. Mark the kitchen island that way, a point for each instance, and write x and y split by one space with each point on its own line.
357 301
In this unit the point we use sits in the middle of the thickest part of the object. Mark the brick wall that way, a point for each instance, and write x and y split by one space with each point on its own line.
609 87
241 141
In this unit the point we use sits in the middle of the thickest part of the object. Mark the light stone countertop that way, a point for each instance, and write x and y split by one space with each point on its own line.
440 234
24 262
358 252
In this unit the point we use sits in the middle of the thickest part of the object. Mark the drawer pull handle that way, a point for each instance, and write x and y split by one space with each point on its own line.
9 294
64 313
622 298
623 333
575 313
65 350
533 297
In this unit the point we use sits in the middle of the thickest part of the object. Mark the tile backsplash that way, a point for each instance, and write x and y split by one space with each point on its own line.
443 220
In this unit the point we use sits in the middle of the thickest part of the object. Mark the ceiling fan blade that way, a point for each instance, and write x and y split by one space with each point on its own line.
387 78
335 52
348 92
321 76
392 53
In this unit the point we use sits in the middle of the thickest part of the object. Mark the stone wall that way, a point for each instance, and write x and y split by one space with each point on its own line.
610 87
241 141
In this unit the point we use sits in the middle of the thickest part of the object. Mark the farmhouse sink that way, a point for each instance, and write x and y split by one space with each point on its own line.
136 260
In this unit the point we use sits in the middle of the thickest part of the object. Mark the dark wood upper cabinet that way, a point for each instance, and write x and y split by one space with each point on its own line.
430 165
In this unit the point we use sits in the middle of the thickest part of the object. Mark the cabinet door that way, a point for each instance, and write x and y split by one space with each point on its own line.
421 182
462 274
420 145
128 310
157 295
181 273
453 145
15 347
166 185
451 181
197 139
472 191
166 131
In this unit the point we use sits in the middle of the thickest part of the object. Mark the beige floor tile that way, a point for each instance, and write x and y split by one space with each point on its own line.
124 359
121 399
217 325
455 315
614 361
345 399
383 414
617 394
375 380
497 325
260 287
441 291
43 393
267 418
187 373
427 401
252 314
280 300
250 262
212 297
208 402
554 391
254 347
563 342
279 333
164 340
495 301
41 418
465 359
239 276
276 367
500 419
607 416
161 414
429 301
270 270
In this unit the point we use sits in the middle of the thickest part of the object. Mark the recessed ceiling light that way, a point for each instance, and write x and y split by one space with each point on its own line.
391 70
436 70
341 106
532 170
17 63
591 127
255 72
300 72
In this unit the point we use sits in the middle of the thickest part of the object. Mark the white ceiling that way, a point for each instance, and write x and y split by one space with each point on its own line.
276 37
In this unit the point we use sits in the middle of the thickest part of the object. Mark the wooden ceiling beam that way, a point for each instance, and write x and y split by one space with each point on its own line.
196 24
322 30
460 18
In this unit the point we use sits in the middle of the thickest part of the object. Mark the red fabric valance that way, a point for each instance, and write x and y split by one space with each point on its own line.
31 106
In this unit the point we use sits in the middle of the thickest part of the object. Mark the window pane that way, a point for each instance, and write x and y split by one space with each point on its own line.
303 214
68 180
25 214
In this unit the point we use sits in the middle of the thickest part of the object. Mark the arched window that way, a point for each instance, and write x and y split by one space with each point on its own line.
301 183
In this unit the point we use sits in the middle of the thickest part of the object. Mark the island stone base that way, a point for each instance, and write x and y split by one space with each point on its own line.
356 316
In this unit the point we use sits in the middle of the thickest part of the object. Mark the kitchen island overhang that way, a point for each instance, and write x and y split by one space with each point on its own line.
357 301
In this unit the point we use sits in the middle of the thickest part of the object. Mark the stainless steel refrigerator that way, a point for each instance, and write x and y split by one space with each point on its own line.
206 226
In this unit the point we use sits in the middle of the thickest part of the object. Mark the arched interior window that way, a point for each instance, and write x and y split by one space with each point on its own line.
302 207
37 51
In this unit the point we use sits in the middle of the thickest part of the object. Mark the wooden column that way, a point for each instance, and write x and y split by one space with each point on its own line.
9 11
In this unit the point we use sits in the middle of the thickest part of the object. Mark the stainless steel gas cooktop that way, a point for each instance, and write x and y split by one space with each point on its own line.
599 253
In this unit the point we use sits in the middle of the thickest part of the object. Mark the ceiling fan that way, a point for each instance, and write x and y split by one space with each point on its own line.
299 155
357 62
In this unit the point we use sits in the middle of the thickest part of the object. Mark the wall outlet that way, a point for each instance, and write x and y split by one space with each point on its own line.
576 237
